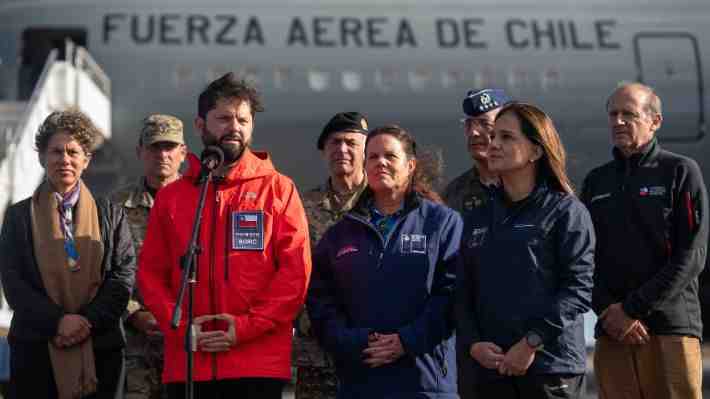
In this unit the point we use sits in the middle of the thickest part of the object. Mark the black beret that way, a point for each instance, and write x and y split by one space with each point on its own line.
343 122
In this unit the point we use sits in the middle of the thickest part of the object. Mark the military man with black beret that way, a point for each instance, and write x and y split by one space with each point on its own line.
342 146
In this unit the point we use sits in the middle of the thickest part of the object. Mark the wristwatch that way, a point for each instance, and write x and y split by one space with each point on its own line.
534 340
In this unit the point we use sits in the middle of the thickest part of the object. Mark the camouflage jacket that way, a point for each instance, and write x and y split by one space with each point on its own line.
466 192
136 201
323 209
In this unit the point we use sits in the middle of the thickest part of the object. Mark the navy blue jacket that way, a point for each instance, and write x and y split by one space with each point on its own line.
362 284
527 267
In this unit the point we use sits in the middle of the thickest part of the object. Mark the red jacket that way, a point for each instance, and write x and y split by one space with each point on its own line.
262 288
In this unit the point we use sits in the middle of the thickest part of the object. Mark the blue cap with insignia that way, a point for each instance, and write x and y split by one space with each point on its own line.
479 102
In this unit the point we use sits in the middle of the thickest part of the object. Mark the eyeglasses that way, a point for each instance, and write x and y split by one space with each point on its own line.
477 124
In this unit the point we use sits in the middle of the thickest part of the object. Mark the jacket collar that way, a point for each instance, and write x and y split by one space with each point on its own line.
139 196
539 191
251 165
647 155
362 208
329 202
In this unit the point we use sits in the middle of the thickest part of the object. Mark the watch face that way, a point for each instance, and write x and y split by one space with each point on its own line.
534 339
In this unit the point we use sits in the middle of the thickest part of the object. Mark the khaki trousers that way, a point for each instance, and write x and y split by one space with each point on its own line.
667 367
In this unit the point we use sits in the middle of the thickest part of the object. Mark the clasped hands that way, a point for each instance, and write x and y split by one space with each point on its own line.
215 340
382 349
623 328
513 363
73 329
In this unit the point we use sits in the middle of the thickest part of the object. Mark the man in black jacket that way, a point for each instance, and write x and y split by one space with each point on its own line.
649 208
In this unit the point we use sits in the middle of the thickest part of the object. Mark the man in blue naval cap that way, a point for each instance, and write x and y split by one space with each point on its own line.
467 191
480 108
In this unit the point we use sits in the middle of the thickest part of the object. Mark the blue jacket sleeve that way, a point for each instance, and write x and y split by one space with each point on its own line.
574 234
328 320
466 321
601 296
436 321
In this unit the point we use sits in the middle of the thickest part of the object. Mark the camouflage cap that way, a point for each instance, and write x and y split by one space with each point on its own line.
158 128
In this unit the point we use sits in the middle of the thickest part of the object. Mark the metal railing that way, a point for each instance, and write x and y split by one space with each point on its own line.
82 60
51 58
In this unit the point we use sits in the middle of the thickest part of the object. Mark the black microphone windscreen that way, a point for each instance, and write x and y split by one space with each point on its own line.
212 157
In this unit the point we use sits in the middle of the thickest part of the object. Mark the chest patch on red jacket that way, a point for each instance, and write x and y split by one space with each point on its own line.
248 231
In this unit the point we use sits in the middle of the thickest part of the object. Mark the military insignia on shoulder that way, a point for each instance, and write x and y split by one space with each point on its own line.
363 123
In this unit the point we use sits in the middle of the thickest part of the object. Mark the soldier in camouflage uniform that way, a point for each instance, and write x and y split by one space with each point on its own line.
161 149
470 190
342 145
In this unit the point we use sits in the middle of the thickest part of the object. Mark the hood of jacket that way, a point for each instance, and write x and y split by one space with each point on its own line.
252 164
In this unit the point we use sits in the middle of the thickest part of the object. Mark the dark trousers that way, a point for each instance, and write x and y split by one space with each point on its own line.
533 387
31 374
242 388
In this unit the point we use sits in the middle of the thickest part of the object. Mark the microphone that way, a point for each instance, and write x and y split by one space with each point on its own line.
212 158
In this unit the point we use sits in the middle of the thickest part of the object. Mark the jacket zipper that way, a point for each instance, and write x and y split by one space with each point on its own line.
227 239
383 242
213 307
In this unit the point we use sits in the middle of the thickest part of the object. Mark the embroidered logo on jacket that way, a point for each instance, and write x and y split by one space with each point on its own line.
653 191
413 243
599 197
349 249
477 238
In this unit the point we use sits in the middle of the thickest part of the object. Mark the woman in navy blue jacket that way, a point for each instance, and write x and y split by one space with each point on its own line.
381 293
526 267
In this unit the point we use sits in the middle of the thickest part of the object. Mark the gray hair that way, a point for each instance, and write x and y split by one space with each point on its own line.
653 104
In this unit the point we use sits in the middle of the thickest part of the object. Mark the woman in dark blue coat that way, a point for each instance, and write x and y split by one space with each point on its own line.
381 293
526 272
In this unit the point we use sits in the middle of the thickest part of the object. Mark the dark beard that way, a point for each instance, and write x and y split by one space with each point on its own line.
232 152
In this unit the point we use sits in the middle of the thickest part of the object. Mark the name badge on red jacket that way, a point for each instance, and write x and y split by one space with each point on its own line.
248 230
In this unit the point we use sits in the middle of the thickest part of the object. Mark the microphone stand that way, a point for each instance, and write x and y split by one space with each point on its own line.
188 263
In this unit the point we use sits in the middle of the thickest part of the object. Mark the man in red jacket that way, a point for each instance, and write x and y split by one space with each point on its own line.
254 265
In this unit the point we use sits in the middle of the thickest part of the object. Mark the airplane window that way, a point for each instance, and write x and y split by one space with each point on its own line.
215 72
282 75
182 76
518 77
385 78
484 77
451 78
318 80
352 81
550 78
419 78
251 74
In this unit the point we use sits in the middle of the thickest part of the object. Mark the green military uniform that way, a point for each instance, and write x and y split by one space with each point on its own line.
315 371
144 354
466 192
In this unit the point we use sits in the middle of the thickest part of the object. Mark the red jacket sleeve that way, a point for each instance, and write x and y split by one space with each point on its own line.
155 266
283 297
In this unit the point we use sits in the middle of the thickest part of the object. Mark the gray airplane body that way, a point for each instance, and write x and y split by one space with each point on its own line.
403 62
